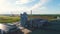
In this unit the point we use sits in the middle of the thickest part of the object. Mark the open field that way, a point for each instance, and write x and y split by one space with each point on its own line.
48 17
9 19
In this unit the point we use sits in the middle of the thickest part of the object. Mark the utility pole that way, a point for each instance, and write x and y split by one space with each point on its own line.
31 18
31 14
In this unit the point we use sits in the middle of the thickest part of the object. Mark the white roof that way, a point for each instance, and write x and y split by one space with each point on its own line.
5 27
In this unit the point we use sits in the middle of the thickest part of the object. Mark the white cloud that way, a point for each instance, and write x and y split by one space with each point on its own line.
38 5
8 7
5 7
23 1
44 1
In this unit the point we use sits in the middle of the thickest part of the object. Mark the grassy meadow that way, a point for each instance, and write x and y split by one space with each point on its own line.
9 19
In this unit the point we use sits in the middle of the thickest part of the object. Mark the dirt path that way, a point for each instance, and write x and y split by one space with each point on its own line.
26 31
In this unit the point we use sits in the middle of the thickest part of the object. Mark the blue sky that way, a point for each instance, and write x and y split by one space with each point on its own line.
37 6
53 5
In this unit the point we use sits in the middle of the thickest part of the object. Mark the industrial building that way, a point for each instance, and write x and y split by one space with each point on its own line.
36 22
40 23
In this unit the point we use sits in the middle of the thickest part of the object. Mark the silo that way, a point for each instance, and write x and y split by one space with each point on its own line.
24 19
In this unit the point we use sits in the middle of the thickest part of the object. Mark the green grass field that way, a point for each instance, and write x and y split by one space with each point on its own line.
9 19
